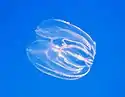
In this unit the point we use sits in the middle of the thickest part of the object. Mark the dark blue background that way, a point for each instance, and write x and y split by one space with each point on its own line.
103 20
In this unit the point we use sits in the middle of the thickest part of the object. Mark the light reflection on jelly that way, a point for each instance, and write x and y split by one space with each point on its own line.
62 50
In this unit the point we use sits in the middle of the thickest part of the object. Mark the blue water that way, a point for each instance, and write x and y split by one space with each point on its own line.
103 20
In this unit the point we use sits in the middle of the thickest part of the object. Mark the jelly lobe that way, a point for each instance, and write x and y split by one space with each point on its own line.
58 61
59 29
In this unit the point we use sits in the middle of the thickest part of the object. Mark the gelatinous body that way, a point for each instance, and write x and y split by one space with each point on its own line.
62 50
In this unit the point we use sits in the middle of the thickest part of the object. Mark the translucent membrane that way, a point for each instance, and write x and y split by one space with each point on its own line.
62 50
